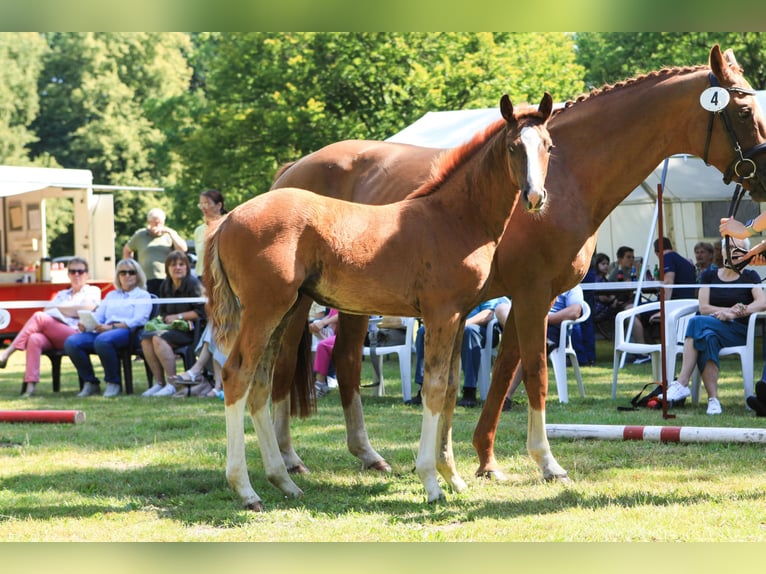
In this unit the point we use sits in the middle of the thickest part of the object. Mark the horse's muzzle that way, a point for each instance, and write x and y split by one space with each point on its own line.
534 201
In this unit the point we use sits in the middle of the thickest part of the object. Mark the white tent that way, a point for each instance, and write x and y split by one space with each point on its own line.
689 183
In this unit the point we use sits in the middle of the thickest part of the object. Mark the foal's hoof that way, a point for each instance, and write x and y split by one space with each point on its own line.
437 499
491 474
560 478
379 465
256 506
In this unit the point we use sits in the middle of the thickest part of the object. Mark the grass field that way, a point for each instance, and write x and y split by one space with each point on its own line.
153 470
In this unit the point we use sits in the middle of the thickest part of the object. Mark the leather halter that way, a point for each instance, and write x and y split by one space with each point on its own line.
743 167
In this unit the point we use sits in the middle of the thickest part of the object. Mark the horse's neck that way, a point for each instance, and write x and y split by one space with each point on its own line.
611 144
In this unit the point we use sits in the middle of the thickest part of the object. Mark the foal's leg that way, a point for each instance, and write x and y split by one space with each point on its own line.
284 375
347 358
445 462
439 345
257 403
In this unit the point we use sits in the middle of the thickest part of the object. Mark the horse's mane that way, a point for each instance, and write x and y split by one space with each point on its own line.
608 88
446 163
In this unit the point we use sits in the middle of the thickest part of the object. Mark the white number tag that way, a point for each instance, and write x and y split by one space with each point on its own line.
714 99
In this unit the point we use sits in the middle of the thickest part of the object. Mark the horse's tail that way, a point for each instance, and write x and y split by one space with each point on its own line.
222 304
303 393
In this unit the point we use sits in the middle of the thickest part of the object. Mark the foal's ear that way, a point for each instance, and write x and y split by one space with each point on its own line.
546 106
506 108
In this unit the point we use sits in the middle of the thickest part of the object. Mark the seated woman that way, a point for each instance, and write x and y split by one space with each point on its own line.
121 311
159 346
49 329
320 328
722 322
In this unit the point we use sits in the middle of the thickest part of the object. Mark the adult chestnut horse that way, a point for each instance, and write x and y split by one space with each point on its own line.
606 144
430 254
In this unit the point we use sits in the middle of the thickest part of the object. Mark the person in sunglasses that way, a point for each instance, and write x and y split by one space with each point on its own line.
49 328
125 308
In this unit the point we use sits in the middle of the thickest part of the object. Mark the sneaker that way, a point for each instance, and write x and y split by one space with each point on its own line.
713 407
166 391
151 391
89 389
641 359
30 390
677 392
760 391
321 389
332 382
417 400
507 404
112 390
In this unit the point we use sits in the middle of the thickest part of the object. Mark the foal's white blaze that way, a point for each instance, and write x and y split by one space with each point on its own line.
532 142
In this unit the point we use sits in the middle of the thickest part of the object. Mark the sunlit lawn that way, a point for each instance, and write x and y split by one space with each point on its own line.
153 469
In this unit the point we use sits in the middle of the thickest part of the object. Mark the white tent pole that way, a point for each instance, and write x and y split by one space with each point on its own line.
649 241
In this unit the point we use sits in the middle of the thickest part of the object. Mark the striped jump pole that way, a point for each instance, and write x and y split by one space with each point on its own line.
73 417
656 433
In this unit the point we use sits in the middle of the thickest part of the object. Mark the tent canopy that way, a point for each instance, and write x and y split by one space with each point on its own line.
15 180
688 178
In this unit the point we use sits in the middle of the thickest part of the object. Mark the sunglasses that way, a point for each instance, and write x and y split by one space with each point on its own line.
126 272
77 271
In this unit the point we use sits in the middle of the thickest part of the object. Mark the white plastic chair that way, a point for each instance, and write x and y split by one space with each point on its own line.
558 356
488 352
675 309
404 351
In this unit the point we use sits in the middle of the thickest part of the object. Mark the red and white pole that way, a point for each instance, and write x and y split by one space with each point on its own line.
656 433
74 417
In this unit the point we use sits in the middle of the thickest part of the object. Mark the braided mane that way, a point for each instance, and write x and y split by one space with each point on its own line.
608 88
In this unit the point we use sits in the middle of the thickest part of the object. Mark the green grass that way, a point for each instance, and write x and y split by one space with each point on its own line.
153 469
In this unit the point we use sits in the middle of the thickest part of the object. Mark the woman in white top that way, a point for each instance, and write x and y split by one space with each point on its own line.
48 329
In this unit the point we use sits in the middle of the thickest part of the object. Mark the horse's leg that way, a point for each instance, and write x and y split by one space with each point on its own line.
284 376
445 462
439 344
535 367
347 358
502 374
257 403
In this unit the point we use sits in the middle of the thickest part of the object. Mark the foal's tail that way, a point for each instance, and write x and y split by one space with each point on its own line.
223 309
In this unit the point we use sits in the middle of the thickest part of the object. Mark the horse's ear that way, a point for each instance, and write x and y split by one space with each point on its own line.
546 106
506 108
716 61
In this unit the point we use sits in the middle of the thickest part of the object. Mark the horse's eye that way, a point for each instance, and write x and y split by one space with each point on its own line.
550 148
745 113
511 149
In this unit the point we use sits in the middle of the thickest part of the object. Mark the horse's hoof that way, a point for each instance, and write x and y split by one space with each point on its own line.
439 498
379 465
256 506
491 474
560 478
299 469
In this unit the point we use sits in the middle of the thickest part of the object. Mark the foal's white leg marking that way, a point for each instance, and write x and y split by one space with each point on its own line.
531 140
539 449
357 439
426 463
236 465
272 459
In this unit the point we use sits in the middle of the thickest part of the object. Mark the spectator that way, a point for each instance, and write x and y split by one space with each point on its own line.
159 346
325 346
722 322
704 254
49 329
211 205
678 271
151 246
616 301
125 308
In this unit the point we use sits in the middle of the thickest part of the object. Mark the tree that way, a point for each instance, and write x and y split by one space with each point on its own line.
98 93
271 98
